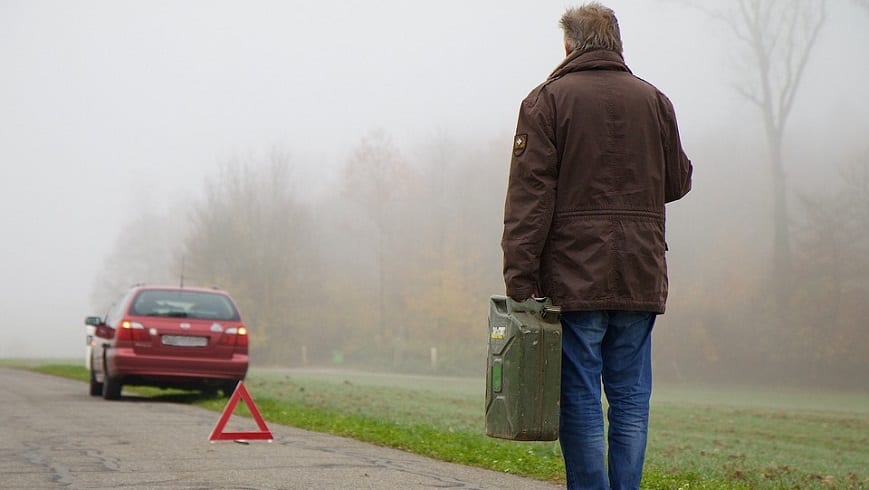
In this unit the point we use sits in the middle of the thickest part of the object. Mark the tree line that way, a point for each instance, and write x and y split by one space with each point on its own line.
392 267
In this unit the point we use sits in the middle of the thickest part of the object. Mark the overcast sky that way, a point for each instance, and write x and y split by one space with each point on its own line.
107 107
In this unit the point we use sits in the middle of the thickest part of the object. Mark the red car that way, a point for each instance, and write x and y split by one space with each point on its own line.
189 338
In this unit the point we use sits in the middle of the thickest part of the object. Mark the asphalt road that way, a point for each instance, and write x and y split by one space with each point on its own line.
54 435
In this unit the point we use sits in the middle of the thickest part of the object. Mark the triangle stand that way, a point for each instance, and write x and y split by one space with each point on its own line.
218 434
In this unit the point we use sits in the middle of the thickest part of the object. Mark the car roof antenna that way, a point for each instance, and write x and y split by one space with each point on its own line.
182 271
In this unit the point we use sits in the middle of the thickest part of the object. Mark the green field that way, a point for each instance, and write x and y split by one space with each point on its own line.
730 438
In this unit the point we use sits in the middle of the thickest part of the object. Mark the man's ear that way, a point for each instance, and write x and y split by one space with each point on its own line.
566 49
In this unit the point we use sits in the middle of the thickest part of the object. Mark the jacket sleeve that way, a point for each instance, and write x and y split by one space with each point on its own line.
678 168
530 202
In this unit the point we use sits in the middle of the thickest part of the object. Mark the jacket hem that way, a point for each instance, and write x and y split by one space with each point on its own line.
652 307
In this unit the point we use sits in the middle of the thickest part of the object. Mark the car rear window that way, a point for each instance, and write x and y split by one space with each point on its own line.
184 304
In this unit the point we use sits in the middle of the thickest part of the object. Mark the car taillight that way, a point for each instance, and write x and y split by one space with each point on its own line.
234 336
133 331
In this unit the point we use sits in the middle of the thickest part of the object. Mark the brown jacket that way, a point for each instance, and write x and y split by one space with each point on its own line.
596 155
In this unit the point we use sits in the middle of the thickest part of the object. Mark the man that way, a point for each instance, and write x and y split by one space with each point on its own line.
596 156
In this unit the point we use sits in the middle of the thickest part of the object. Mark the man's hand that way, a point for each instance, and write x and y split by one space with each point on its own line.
522 300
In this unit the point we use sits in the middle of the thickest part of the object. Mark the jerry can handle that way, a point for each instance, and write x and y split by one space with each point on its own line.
500 304
539 306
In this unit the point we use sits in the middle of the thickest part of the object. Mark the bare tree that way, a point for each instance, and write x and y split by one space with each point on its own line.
143 253
249 235
778 36
374 178
833 273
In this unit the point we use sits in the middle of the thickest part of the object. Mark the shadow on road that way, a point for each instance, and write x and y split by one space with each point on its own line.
188 398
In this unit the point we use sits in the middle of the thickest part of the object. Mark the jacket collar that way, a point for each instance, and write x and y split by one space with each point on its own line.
590 60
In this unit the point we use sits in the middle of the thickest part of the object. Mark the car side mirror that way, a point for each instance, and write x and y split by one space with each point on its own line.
94 321
104 331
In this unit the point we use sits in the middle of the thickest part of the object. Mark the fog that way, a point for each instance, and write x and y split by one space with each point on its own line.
111 111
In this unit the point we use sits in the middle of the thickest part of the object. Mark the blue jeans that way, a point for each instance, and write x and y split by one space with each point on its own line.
615 347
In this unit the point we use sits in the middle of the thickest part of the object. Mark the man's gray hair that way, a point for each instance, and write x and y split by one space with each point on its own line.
591 26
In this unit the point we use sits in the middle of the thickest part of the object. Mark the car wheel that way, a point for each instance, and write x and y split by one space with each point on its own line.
112 389
111 386
229 387
96 389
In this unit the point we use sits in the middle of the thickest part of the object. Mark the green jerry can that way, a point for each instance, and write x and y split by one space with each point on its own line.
523 370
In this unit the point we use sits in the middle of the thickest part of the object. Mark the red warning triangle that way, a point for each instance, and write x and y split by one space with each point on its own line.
218 434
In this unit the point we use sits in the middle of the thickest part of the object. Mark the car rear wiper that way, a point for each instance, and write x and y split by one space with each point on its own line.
177 314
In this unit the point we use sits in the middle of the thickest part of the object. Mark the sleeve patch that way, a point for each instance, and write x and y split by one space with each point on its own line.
519 144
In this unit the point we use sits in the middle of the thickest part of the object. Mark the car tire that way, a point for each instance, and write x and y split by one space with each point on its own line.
111 386
229 387
112 389
96 389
